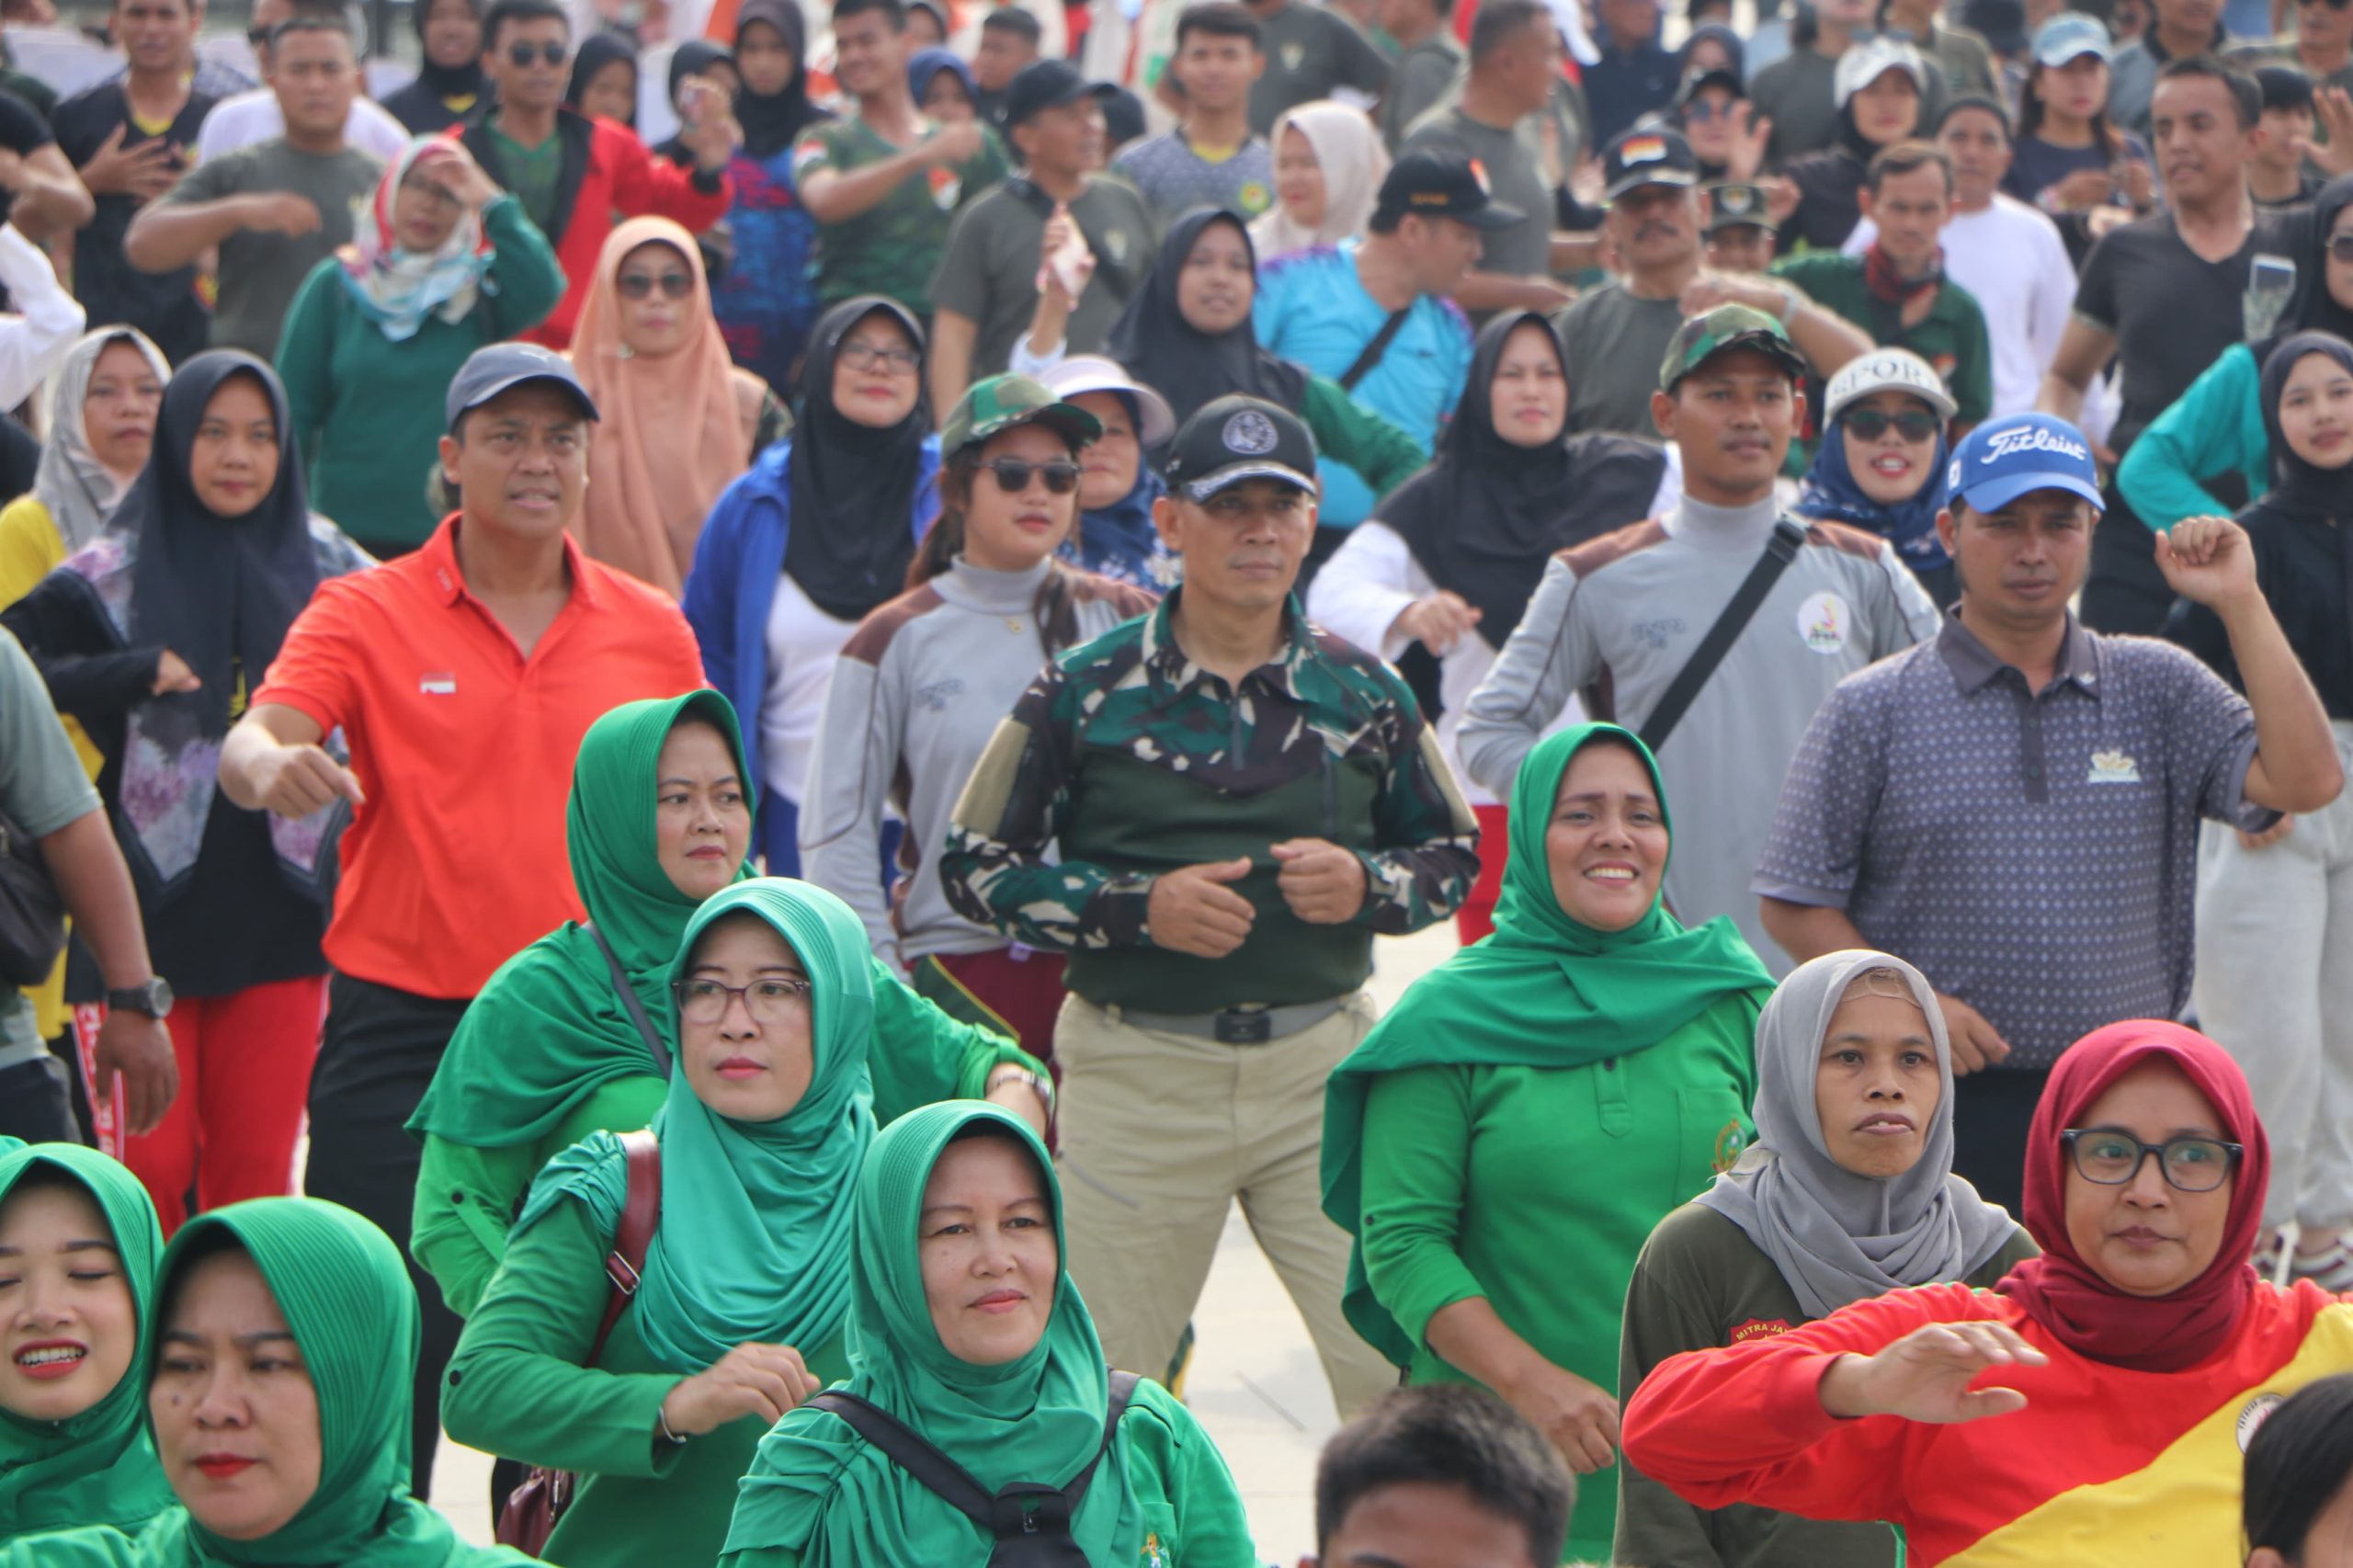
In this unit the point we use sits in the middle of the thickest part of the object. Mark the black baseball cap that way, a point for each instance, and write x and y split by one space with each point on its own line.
1648 155
501 367
1048 84
1442 185
1234 438
1735 203
1700 81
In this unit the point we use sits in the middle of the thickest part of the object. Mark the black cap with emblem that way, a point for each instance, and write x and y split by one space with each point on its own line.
1734 202
1234 438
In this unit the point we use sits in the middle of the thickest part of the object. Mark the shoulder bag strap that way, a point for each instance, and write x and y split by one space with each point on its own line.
652 1035
1366 361
625 1265
1779 550
911 1453
1123 1388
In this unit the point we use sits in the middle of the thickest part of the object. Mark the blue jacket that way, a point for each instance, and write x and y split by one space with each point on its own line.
728 594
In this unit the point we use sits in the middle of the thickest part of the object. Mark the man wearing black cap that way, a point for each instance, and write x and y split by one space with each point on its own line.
1373 315
462 678
986 289
1740 227
1241 802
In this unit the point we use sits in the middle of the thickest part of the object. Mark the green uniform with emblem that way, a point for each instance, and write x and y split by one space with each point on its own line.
988 274
893 248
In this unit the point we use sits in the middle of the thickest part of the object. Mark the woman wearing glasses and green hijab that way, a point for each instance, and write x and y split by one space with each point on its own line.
1502 1143
965 1330
740 1312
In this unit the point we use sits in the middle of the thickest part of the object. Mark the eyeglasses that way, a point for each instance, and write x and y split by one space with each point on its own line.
638 285
769 1001
1871 423
868 357
2340 248
1704 111
521 54
2189 1164
1013 475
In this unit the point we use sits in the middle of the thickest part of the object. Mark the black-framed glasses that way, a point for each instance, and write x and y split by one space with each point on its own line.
1013 474
870 357
638 285
2111 1158
769 1001
520 55
1913 424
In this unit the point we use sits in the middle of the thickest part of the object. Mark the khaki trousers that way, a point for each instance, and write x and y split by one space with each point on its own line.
1160 1134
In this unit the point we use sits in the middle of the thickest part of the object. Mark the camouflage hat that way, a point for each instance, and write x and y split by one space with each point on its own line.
1001 403
1701 338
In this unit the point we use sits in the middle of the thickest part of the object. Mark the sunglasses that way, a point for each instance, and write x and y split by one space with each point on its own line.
521 54
1013 475
2340 248
641 285
1703 111
1913 425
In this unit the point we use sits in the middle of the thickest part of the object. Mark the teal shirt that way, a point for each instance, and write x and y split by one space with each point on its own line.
367 411
1536 1188
2214 428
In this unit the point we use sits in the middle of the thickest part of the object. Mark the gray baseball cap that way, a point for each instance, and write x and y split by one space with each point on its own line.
502 367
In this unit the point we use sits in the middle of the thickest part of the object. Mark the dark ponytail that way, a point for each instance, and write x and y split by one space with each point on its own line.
2297 1463
1055 609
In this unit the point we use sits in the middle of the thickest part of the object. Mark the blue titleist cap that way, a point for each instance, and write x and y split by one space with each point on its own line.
2005 459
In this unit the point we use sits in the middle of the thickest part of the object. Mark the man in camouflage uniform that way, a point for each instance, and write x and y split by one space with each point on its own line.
1241 802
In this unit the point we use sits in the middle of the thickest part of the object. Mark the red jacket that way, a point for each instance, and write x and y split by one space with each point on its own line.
606 171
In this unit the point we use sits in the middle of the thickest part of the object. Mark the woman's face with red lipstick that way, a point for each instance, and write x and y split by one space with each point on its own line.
751 1061
66 1311
237 1417
990 1262
702 820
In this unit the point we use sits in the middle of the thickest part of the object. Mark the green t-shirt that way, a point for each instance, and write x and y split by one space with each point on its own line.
989 273
1952 336
532 174
893 248
261 273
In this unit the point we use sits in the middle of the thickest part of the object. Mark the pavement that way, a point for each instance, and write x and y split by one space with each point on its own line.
1255 1384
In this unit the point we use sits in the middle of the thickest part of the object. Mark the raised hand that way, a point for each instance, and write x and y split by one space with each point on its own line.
1437 622
2208 560
1925 1376
1751 132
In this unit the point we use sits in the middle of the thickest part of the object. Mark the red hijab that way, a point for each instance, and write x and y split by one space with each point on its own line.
2090 1317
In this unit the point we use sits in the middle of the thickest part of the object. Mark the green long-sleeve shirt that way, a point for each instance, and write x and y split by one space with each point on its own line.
1383 456
1536 1187
367 411
466 1197
2214 428
1192 1513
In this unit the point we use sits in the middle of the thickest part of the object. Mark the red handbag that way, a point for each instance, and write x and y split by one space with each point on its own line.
534 1508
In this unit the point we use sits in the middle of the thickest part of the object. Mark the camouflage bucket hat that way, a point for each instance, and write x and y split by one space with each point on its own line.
1719 331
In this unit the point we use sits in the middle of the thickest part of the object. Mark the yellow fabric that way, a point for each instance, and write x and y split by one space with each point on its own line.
29 550
2182 1507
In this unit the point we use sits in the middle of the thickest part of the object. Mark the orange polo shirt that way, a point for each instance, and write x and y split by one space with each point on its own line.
465 749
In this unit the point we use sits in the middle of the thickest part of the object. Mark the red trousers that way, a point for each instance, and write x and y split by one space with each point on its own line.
1477 915
245 1063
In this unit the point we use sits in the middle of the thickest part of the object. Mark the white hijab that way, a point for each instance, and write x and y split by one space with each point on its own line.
77 490
1354 162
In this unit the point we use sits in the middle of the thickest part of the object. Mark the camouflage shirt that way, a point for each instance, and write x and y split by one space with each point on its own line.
1134 760
893 248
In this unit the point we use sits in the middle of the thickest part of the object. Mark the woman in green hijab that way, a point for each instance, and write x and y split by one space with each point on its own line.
965 1329
277 1397
660 819
1502 1143
746 1289
78 1245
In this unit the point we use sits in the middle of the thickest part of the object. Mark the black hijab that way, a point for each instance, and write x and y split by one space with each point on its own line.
1186 365
1733 44
463 80
852 485
1485 514
596 52
770 120
2299 490
220 592
2314 309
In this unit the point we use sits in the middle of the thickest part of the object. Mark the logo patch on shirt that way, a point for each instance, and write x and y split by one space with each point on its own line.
940 693
1254 198
2258 1411
1654 633
1727 1145
1758 1328
2113 768
1153 1555
437 685
1294 56
946 187
1824 620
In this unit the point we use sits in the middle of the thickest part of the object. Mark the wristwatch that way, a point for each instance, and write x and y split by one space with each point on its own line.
152 997
1013 1073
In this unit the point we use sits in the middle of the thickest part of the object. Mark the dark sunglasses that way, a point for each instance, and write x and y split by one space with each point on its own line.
640 285
1013 475
2340 248
1913 425
521 54
1701 111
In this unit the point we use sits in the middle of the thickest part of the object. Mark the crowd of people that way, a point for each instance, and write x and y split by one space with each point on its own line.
773 753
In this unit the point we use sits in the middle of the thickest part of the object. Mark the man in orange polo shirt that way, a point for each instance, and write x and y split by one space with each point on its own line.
462 679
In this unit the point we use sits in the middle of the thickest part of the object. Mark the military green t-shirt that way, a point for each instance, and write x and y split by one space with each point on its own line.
990 271
1952 336
532 173
893 248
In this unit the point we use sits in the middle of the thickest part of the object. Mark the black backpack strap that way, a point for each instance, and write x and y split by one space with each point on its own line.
652 1036
1123 1388
1779 550
902 1448
1364 363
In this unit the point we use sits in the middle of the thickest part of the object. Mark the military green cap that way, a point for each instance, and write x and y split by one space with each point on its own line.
1003 401
1726 327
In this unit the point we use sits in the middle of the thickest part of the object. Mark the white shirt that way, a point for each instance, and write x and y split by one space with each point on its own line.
804 643
37 336
2011 257
255 116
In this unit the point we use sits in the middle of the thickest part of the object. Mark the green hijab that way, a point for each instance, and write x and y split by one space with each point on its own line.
1541 991
98 1467
548 1028
754 1238
818 1489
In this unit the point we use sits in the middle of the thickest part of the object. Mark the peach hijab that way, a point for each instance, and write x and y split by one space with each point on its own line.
675 432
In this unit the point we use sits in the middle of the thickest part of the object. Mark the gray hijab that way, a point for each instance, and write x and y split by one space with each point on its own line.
1837 1237
72 485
